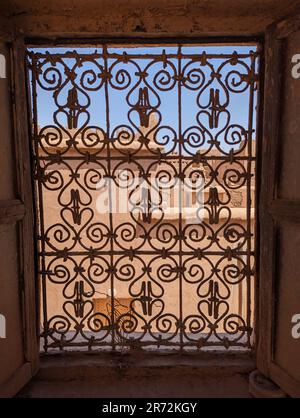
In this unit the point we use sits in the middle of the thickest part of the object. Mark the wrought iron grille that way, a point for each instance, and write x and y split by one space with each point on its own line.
152 277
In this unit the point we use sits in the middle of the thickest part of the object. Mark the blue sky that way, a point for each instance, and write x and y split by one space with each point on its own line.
238 106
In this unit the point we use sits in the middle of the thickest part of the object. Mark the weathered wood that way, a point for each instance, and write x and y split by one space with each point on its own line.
267 193
287 26
11 211
277 213
285 210
6 29
70 366
27 230
286 382
102 17
19 378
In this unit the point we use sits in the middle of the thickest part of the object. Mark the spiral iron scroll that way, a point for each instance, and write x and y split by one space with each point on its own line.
179 277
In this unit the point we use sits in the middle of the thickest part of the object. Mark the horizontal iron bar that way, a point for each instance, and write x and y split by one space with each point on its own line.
149 157
145 344
96 55
139 252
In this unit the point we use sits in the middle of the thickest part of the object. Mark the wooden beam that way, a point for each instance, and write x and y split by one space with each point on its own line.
15 383
11 211
285 381
28 269
269 154
285 210
288 26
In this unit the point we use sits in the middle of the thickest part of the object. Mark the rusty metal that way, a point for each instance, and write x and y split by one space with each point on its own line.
78 254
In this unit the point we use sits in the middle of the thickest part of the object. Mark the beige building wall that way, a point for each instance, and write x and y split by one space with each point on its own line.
62 271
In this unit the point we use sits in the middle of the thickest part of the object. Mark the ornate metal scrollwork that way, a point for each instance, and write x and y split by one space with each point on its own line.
103 119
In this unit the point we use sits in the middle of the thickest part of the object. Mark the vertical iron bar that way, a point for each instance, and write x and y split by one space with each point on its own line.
180 199
249 202
40 221
111 227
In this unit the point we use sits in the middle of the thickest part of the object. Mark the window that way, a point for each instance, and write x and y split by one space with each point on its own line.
144 163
